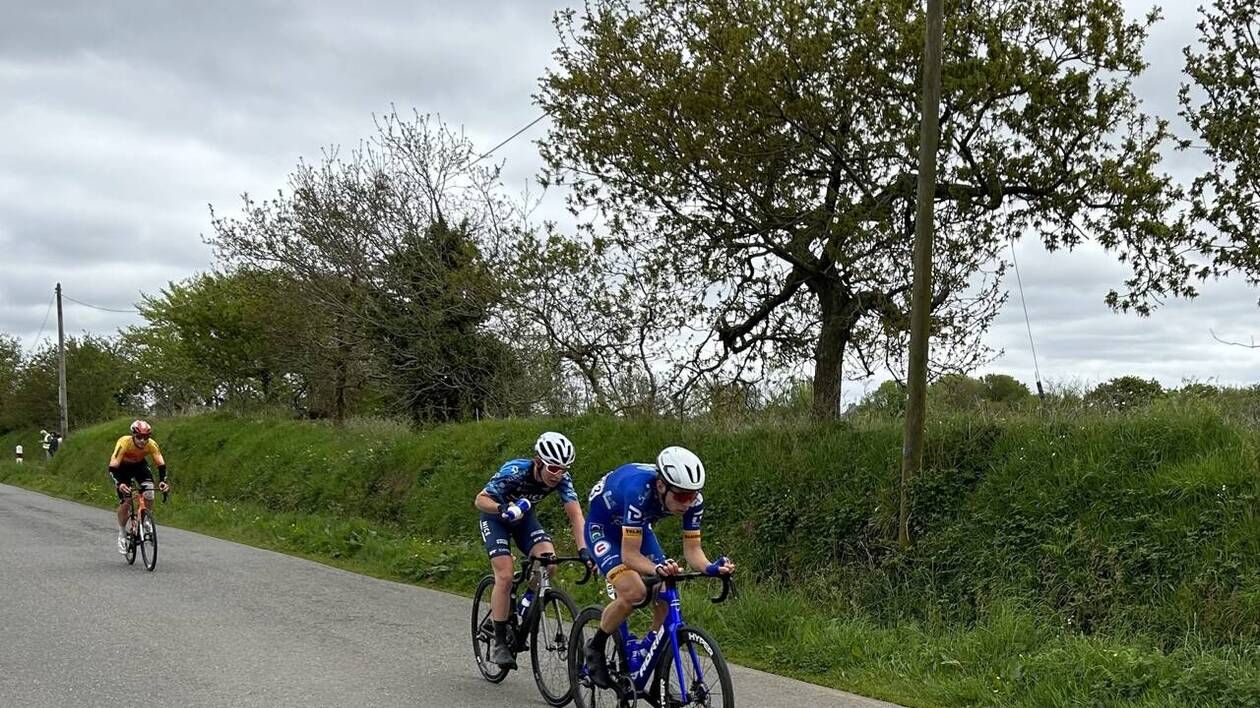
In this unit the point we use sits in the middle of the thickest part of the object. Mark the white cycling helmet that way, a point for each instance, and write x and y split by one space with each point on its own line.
680 468
555 449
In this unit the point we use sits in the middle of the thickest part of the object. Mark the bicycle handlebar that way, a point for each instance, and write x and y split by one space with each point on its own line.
728 584
555 560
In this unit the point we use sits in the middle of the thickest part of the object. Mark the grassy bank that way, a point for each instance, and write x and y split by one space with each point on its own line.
1057 562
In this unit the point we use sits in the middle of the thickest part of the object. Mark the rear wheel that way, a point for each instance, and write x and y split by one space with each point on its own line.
483 632
585 693
148 540
549 647
704 673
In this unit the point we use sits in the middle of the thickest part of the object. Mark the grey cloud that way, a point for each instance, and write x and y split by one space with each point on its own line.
124 119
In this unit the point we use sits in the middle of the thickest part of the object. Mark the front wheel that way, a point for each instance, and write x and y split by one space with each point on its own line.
585 693
132 541
549 647
483 632
148 540
704 673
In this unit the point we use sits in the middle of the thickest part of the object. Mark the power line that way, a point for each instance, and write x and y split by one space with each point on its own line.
510 139
35 342
98 307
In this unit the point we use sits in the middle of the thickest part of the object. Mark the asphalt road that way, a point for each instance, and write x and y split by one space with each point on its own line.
222 624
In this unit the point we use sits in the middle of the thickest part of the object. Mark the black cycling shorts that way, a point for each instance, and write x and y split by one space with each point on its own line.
129 472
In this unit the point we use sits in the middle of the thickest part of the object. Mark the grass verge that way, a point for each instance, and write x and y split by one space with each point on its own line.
1011 655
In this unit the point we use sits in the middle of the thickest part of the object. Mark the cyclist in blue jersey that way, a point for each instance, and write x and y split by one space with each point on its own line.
506 506
623 506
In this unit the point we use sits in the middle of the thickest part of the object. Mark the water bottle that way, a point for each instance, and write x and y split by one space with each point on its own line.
645 646
523 607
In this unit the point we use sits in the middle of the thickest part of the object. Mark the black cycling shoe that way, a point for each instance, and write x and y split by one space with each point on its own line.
597 665
501 655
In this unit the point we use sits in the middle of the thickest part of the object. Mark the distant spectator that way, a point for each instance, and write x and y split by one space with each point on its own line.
17 454
44 438
54 443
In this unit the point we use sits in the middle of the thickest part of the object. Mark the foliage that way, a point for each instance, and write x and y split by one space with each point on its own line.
1222 105
1064 560
386 245
99 381
1124 392
225 338
762 155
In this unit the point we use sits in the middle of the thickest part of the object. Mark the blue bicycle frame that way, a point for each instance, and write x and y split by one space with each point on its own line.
644 655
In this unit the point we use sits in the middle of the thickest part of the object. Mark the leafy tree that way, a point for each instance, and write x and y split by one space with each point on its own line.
10 368
1222 106
387 245
1124 392
606 322
889 399
440 286
225 337
1002 388
1200 390
33 402
761 155
957 392
99 385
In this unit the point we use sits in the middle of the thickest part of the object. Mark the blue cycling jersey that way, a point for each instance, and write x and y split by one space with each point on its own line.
627 497
515 480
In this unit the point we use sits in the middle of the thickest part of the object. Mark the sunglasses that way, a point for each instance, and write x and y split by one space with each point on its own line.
684 496
555 469
141 438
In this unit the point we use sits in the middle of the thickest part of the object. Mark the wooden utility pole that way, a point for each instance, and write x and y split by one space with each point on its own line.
920 297
61 366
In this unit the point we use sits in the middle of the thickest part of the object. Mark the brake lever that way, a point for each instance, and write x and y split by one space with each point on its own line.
728 586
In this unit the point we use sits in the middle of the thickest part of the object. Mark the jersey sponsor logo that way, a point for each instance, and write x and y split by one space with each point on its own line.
597 532
602 547
598 489
634 513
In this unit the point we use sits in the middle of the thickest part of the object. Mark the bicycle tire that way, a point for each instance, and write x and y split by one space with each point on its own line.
585 693
694 639
554 645
148 540
483 633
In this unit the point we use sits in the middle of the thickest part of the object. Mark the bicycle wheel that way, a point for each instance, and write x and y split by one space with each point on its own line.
132 542
705 673
148 540
549 647
483 632
585 693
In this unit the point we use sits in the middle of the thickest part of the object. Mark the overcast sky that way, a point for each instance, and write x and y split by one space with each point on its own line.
122 120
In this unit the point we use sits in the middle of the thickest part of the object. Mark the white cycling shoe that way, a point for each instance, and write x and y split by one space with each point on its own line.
122 544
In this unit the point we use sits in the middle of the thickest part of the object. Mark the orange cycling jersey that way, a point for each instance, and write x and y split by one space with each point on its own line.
126 451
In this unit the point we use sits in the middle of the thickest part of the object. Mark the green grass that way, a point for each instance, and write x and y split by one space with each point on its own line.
1057 562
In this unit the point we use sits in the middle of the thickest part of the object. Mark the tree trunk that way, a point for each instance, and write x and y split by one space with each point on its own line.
839 316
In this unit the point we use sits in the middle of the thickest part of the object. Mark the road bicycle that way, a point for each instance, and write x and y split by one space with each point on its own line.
679 665
142 530
541 617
